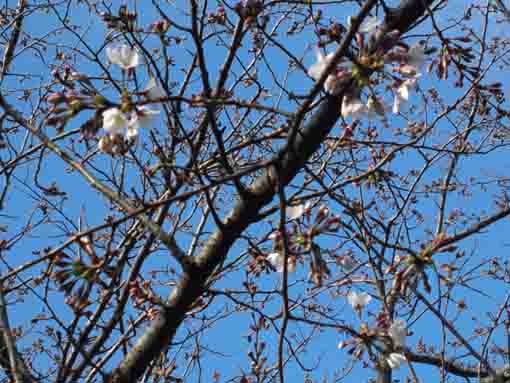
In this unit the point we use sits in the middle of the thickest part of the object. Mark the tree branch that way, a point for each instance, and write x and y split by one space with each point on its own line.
16 369
501 375
291 159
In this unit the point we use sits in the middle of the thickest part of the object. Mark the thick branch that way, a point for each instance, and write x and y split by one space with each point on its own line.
13 40
16 368
501 375
290 161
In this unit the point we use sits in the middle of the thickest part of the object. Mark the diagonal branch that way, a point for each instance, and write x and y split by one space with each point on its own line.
13 41
500 375
155 229
289 161
16 368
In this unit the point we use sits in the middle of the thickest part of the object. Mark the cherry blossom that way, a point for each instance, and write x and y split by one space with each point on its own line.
295 212
402 93
353 106
368 25
276 260
124 56
398 333
105 144
394 360
143 117
316 70
153 90
358 300
114 121
132 133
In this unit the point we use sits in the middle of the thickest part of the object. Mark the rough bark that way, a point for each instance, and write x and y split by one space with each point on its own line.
287 163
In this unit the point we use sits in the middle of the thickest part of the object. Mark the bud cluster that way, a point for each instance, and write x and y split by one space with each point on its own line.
124 21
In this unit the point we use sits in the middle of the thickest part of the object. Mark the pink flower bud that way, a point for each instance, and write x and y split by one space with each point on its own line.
322 213
333 223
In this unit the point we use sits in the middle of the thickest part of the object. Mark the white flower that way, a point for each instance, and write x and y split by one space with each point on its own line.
276 260
132 133
368 25
331 84
402 93
345 343
352 106
274 235
407 70
394 360
398 333
153 90
295 212
358 301
316 70
114 121
143 117
123 56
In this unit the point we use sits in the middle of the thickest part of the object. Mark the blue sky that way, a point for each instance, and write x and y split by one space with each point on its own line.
228 336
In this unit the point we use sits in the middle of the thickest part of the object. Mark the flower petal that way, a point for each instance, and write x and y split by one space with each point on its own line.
403 91
143 117
123 56
352 106
294 212
113 55
394 360
358 301
114 121
276 260
398 332
368 25
315 71
132 132
153 90
396 104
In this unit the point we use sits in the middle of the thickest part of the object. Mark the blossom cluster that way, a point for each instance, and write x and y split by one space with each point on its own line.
301 241
122 125
396 331
119 126
406 61
121 121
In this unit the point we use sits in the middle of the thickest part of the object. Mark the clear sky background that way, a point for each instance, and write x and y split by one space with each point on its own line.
226 340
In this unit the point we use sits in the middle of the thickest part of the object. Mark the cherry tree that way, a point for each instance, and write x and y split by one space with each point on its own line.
254 191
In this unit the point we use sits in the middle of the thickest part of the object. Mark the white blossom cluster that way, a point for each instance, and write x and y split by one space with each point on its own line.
123 126
409 68
396 332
